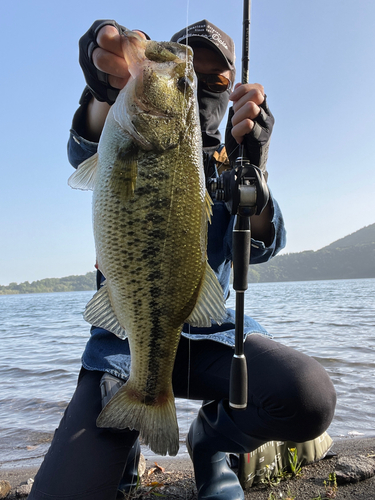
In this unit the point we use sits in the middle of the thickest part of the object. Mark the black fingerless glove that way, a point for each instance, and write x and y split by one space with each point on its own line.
96 80
256 143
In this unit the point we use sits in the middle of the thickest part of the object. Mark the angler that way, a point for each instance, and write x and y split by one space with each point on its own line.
290 396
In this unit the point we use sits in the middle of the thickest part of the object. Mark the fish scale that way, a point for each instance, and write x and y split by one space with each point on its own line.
150 216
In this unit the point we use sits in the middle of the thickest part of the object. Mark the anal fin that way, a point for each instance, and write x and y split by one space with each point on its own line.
210 303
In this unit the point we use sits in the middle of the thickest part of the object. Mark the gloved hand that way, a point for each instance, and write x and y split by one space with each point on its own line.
97 80
249 121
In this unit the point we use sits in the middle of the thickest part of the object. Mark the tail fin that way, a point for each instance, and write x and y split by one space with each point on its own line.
156 422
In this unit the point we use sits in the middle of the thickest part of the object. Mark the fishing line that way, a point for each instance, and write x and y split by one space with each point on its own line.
187 67
187 21
189 369
188 416
188 391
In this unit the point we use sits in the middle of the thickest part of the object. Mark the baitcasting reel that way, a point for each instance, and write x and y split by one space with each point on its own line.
243 189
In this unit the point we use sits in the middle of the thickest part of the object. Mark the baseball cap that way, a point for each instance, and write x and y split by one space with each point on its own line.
210 35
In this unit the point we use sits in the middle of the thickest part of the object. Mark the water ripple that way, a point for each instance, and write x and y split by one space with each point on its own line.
43 336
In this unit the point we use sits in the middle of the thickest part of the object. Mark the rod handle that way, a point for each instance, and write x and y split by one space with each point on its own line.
238 383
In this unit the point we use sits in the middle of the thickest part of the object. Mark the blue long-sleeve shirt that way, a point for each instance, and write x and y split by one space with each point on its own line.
106 352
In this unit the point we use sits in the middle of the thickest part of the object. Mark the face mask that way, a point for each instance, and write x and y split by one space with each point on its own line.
212 108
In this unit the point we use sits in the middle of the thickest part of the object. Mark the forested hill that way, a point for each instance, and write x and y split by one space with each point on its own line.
350 257
361 237
48 285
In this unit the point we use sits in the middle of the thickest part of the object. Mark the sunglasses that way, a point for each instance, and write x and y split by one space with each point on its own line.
214 83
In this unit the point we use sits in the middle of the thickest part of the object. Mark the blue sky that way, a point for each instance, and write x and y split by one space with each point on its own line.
315 59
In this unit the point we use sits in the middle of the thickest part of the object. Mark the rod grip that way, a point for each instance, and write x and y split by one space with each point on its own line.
238 383
241 252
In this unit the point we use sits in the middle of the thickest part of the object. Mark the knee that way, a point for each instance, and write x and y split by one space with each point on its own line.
292 391
314 402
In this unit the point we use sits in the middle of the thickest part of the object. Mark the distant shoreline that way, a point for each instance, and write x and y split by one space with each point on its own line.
28 288
80 283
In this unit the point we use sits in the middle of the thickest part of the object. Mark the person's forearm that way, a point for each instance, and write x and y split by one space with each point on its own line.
96 115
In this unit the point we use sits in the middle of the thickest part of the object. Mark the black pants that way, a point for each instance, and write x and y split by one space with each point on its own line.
290 398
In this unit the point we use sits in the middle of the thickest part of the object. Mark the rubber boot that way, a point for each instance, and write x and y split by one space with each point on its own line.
211 435
130 476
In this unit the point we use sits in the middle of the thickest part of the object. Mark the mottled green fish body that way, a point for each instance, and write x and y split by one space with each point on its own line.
150 213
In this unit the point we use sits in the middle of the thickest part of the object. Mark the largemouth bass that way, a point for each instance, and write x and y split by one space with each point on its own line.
150 216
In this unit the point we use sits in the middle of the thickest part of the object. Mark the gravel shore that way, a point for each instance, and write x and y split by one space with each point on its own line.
173 477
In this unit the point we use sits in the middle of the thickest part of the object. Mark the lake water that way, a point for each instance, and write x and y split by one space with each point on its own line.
43 335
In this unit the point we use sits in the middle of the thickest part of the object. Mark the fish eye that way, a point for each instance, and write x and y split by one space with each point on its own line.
183 84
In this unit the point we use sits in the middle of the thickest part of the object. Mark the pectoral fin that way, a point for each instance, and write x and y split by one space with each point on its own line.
210 303
124 176
99 312
209 203
85 175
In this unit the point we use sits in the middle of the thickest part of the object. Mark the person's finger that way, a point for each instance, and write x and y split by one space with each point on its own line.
241 89
110 63
109 39
249 110
241 129
253 95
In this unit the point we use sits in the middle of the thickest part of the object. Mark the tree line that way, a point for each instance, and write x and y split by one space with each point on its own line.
49 285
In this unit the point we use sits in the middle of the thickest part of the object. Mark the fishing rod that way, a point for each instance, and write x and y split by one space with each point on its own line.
246 41
251 196
245 192
241 247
